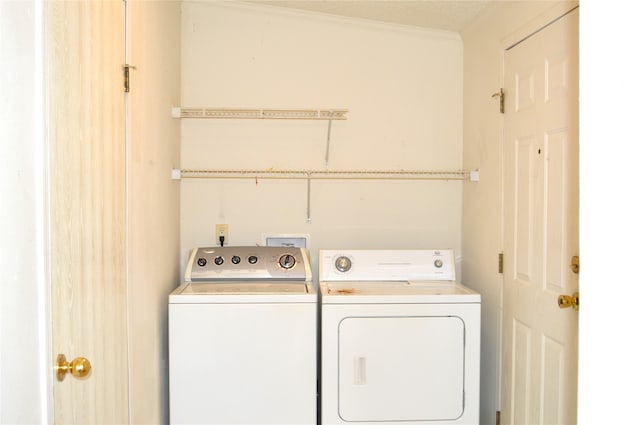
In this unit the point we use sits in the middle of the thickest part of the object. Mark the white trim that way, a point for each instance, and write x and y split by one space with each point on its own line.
127 217
45 336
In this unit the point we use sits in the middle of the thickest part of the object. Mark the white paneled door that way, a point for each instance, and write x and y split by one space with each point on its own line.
540 339
85 130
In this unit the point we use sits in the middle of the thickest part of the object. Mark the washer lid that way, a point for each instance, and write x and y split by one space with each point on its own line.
243 292
244 288
397 292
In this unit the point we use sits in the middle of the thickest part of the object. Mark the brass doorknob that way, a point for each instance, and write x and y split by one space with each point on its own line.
78 367
566 301
575 264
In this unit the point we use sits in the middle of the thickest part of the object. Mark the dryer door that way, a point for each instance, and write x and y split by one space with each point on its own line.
401 368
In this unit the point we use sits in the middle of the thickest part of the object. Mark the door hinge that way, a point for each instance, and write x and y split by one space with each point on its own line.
500 96
126 68
497 417
501 263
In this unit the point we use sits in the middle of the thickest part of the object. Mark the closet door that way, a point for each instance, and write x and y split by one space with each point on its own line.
85 130
541 227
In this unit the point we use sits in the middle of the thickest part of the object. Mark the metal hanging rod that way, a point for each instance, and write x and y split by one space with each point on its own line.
309 175
324 174
247 113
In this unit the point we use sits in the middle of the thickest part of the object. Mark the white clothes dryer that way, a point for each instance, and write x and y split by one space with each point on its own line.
242 338
400 339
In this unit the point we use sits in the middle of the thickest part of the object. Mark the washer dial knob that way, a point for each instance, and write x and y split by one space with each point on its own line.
218 260
202 261
343 264
287 261
438 263
235 259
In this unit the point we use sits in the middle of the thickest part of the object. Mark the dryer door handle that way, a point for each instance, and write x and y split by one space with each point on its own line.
360 370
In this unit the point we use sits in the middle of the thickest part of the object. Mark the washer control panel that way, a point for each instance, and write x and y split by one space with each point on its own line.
248 263
386 265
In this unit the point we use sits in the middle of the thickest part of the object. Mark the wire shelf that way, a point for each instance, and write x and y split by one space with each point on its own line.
248 113
327 174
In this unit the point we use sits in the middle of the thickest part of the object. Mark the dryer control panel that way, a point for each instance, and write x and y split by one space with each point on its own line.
387 265
248 263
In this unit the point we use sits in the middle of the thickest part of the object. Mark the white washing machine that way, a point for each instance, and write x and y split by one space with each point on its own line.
242 338
400 339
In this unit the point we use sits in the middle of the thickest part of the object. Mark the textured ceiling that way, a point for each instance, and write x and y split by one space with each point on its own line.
451 15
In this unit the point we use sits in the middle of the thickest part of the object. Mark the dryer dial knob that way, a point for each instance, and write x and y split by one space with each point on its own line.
202 262
235 259
253 259
287 261
438 263
343 264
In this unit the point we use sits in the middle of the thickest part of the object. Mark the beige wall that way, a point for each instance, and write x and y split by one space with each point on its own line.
484 44
153 201
403 89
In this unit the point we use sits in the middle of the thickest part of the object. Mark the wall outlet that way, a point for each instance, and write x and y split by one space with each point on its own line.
222 231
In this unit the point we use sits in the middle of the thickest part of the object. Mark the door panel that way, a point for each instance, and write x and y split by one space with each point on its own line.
541 221
525 198
85 115
557 193
521 382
